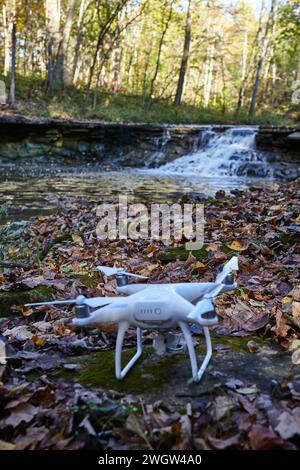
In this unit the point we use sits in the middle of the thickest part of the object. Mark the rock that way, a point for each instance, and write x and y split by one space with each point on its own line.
181 254
294 136
9 151
83 147
20 297
169 376
134 145
281 137
30 149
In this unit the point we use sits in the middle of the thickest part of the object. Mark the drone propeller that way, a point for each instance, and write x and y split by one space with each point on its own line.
80 300
118 271
206 306
94 302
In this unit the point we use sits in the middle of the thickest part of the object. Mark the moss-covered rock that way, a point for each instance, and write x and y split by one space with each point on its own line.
181 254
149 373
169 377
20 297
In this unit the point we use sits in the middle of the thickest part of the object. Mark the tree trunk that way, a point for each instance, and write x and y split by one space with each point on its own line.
243 78
102 33
185 54
61 71
115 84
263 49
53 36
210 69
6 34
13 63
160 46
80 32
224 88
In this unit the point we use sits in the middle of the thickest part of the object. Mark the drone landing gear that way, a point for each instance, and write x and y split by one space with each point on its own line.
123 327
197 374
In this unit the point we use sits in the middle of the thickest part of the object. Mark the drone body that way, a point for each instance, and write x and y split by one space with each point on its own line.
159 307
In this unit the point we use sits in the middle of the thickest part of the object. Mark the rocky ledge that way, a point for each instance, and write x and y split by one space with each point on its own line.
280 137
129 144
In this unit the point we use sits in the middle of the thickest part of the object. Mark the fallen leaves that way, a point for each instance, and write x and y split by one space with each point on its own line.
296 313
38 341
238 245
253 347
49 413
18 333
23 412
78 240
222 406
6 446
264 438
289 424
221 444
282 327
34 435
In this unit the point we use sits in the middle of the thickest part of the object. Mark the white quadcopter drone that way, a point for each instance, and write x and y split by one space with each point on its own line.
159 307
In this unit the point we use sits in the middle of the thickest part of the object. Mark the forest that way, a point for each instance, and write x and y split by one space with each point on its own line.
149 232
165 60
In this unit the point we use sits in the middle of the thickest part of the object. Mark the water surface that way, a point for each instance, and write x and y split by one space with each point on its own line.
225 160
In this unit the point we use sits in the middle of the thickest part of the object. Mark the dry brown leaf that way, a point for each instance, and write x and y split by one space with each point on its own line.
296 309
221 444
289 424
78 240
282 327
212 247
6 446
25 311
20 333
253 347
223 406
32 437
199 265
38 341
238 246
21 413
263 438
63 330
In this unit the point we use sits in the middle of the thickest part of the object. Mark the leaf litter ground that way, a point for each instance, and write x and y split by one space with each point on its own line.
44 404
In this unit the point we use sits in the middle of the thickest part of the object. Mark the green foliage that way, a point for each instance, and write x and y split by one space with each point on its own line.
129 49
72 103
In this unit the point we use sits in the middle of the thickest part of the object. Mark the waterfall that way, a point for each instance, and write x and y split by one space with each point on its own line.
160 143
229 153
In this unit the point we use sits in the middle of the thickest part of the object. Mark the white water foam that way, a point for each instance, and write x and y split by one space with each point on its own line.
229 153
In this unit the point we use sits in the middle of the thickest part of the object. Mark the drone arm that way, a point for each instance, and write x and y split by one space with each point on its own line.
197 374
226 275
123 327
204 313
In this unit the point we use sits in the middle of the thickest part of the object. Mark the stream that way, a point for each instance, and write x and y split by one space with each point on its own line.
224 160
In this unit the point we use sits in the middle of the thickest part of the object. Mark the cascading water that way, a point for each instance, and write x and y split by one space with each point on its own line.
229 153
155 159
